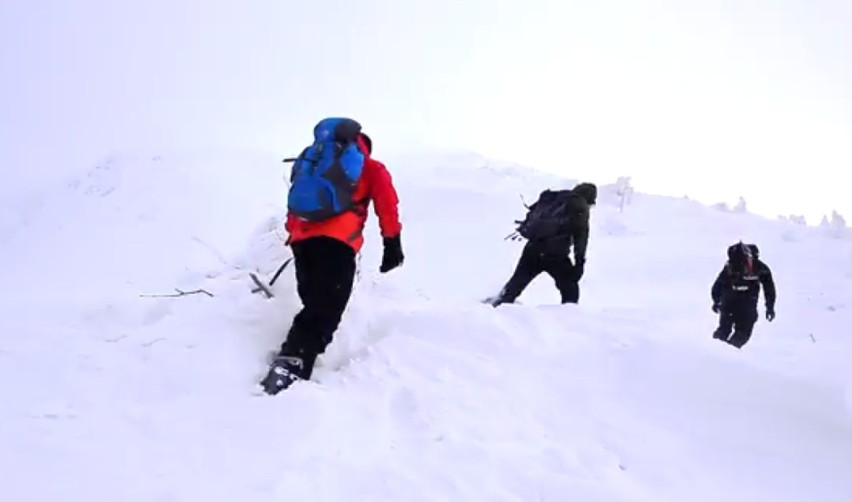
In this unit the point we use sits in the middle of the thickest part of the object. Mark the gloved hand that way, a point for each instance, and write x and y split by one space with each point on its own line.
716 307
579 267
392 256
770 313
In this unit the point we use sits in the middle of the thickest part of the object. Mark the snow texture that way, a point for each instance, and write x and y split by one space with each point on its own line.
426 394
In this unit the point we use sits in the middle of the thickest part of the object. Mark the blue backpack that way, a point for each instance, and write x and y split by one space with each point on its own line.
324 175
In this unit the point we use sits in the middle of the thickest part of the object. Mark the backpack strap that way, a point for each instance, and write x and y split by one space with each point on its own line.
360 206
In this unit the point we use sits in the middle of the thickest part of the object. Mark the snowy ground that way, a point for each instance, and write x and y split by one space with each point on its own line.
426 394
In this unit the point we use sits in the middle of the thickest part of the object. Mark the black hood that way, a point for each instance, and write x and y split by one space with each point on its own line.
588 191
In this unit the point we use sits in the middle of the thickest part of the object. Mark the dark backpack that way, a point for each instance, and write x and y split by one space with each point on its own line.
551 216
324 175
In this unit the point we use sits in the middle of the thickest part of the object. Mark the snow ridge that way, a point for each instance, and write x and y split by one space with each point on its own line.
426 394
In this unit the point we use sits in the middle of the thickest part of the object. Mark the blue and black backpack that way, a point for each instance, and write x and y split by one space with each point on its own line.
324 175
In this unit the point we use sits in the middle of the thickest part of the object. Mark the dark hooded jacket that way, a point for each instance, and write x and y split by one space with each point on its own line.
739 282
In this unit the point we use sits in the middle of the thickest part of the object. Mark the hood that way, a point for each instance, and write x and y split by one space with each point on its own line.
588 191
365 144
741 257
755 251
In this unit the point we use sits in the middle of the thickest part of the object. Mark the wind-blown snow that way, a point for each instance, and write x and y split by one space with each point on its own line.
426 394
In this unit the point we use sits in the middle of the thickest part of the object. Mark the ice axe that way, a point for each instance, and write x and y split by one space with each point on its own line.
514 236
267 289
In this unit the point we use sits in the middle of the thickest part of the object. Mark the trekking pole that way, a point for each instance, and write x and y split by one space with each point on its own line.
280 269
266 288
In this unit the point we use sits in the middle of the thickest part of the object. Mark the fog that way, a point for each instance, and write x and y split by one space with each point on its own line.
737 98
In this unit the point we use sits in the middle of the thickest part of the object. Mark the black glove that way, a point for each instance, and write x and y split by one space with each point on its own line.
770 313
392 256
577 273
716 307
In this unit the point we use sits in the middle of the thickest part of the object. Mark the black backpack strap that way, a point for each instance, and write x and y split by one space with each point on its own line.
360 206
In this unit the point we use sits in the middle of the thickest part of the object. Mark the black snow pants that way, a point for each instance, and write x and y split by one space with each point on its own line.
533 262
325 274
738 315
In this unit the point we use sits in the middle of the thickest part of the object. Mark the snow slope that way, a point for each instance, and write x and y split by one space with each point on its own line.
426 394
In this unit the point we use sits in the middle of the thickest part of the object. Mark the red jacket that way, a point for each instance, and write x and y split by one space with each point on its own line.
374 185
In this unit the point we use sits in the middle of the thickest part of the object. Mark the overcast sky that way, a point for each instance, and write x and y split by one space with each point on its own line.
738 97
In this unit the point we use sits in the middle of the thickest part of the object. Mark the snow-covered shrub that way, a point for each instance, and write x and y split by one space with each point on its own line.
794 219
834 227
624 190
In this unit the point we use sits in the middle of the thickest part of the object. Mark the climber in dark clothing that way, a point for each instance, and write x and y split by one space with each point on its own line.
736 291
557 221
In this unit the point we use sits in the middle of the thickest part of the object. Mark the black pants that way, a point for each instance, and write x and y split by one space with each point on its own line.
325 273
739 317
532 263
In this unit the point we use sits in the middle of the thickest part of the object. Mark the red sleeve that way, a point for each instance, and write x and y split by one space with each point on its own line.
288 227
385 200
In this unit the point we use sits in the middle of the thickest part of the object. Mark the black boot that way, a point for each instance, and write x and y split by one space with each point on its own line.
283 371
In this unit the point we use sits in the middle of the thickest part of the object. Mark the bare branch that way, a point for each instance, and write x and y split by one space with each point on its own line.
180 293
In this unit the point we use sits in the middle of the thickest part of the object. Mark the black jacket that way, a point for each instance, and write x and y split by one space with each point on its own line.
731 289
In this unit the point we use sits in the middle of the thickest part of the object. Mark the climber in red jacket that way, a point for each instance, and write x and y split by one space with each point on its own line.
324 255
376 185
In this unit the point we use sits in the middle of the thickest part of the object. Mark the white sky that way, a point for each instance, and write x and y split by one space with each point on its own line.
738 97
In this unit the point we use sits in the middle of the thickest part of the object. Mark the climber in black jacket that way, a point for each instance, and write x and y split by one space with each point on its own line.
736 292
